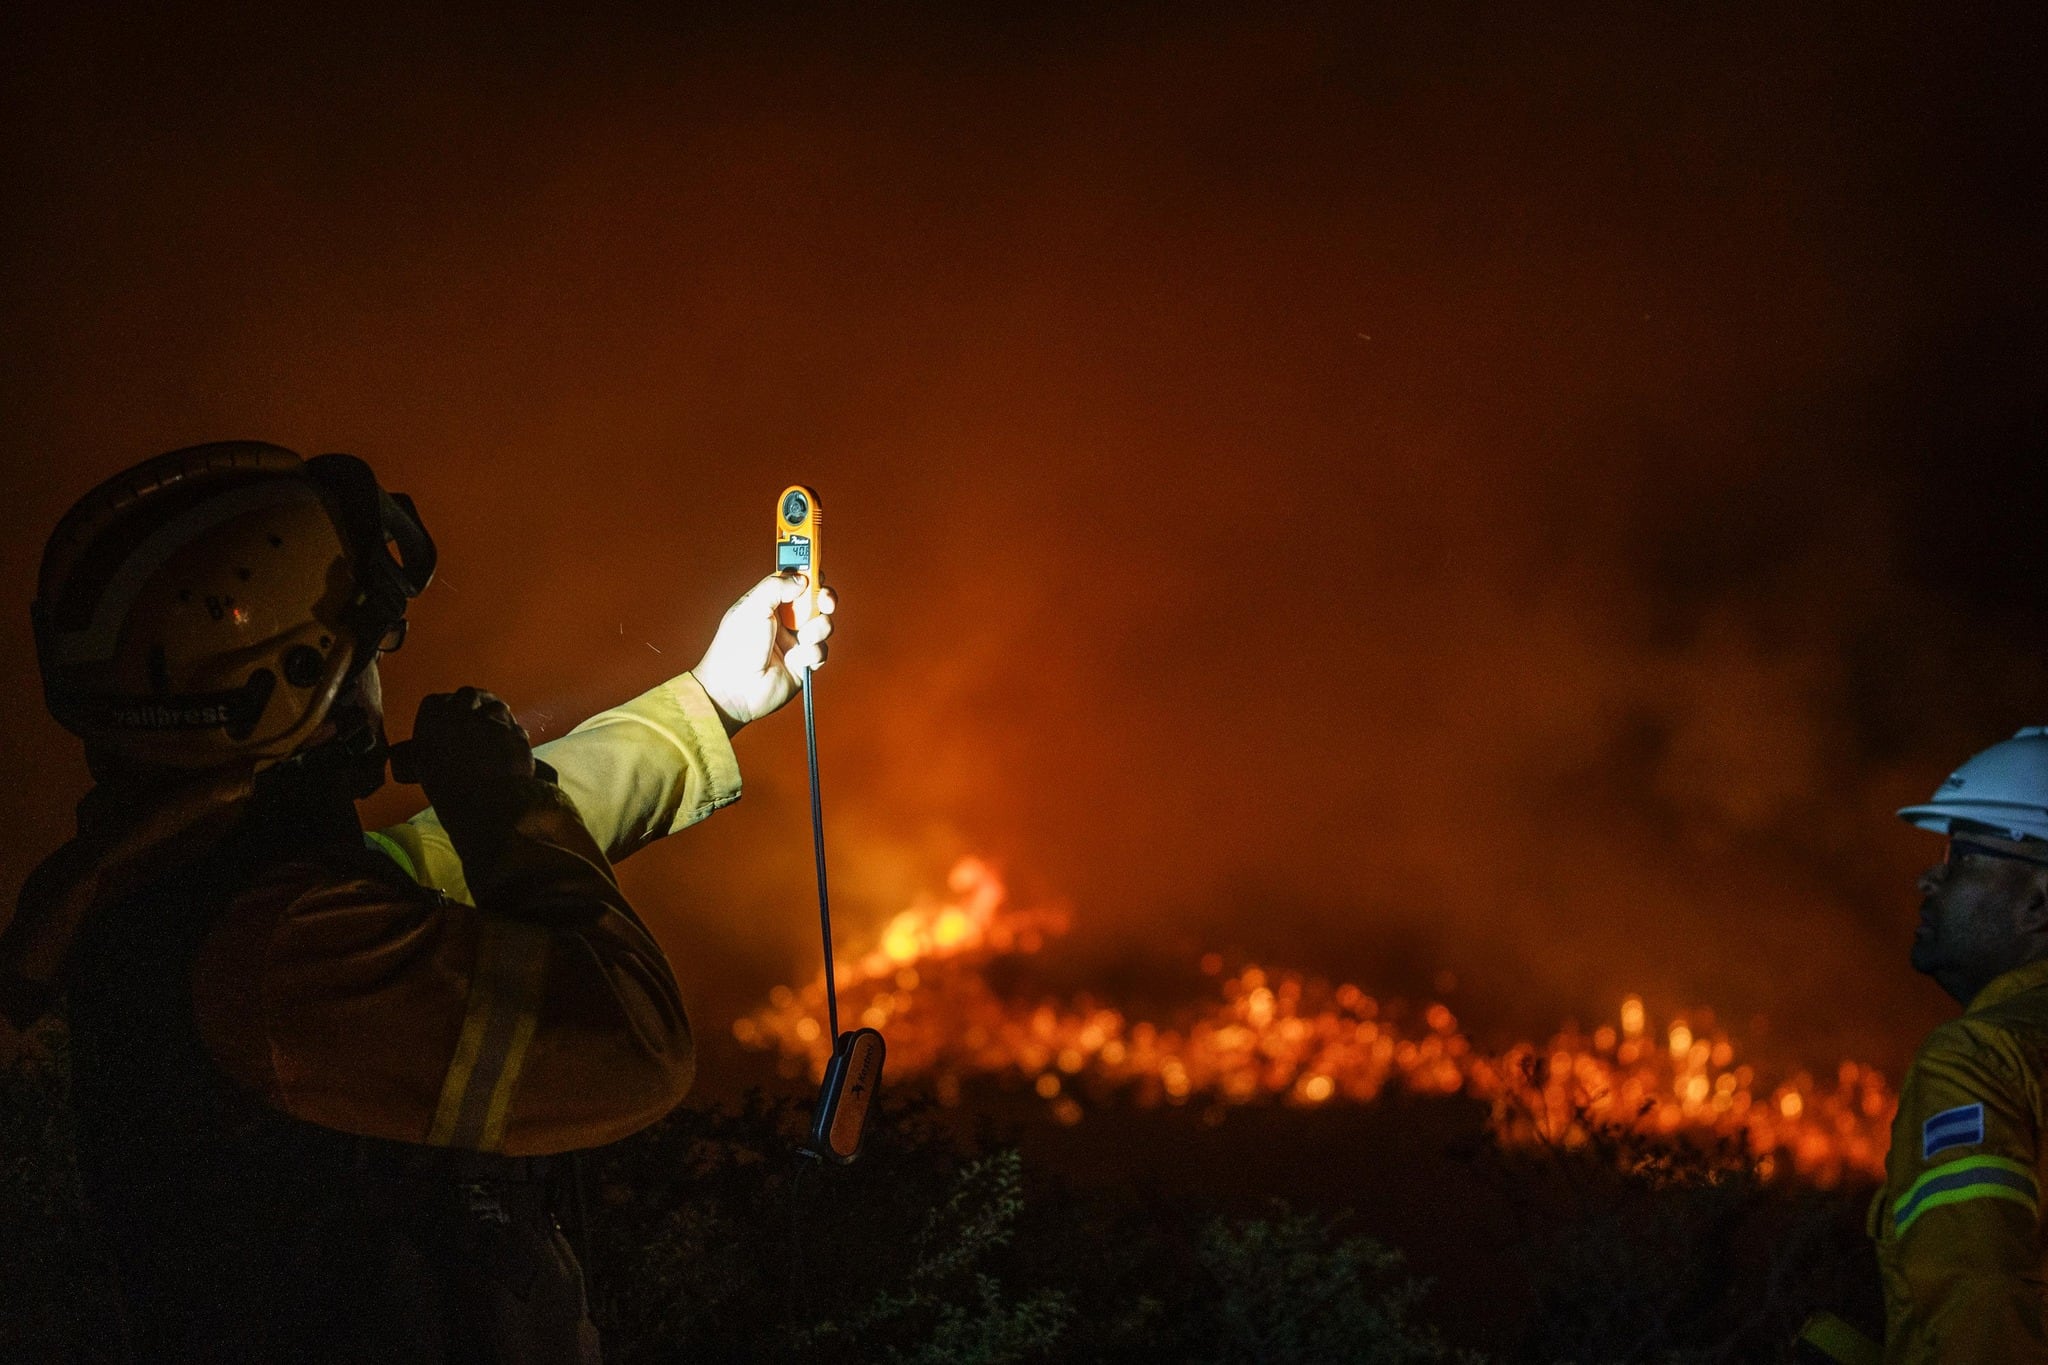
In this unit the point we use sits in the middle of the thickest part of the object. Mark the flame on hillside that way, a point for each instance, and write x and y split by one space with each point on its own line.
1282 1037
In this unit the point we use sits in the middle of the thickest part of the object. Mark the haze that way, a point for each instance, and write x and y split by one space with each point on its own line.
1446 489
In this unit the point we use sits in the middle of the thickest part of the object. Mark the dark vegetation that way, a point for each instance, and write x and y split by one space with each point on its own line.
710 1241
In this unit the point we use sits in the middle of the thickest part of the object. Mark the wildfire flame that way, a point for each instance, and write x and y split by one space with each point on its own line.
1298 1040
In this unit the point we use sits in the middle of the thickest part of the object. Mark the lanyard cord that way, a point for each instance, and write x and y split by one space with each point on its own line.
818 844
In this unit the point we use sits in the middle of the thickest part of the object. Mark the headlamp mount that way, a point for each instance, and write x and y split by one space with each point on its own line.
391 552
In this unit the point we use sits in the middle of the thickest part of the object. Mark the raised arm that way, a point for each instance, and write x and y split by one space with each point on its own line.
663 761
524 1009
636 772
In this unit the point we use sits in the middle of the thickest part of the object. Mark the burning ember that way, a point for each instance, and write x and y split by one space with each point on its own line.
1279 1036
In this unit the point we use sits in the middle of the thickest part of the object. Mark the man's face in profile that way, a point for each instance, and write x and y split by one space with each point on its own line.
1972 904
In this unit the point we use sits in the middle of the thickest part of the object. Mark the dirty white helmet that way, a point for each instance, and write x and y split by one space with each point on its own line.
207 606
2004 788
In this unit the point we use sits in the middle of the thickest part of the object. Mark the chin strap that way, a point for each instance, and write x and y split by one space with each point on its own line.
353 760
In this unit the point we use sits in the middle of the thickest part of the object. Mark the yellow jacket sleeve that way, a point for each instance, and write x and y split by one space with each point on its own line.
1958 1223
657 764
517 1004
636 772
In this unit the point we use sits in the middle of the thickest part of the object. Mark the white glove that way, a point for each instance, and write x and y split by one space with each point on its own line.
755 664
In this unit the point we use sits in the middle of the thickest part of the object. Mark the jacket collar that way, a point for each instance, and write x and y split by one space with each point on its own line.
2031 976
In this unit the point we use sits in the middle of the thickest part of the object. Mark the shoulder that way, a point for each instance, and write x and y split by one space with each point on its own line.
333 905
1974 1040
1978 1059
2010 1038
280 936
1982 1048
2019 1022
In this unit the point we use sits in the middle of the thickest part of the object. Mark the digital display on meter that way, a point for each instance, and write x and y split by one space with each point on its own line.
797 518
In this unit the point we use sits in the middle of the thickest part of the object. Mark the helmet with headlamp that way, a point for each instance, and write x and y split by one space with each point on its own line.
208 606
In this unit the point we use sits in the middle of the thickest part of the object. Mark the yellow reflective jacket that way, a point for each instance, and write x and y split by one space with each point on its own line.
1958 1222
524 1008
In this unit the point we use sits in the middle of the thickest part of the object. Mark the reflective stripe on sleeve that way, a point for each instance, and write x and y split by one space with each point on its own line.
1827 1337
497 1025
384 843
1975 1177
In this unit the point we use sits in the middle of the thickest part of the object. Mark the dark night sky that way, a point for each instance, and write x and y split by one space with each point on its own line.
1516 489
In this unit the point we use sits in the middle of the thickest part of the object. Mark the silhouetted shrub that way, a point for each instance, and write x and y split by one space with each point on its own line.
1674 1250
718 1244
710 1240
1289 1289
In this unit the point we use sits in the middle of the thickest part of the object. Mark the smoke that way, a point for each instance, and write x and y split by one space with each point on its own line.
1457 491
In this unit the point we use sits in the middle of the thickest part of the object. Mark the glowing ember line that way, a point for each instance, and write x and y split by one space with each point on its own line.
1296 1040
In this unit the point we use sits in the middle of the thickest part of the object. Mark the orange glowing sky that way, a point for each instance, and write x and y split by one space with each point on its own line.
1389 493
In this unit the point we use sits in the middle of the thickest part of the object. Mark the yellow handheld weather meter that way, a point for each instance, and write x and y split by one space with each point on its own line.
855 1069
796 550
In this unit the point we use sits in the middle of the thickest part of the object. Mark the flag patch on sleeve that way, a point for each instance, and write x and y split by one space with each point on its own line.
1952 1128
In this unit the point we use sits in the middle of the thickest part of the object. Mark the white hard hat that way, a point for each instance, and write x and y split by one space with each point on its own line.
2005 788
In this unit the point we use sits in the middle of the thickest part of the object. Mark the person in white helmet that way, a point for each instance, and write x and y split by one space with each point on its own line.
1958 1222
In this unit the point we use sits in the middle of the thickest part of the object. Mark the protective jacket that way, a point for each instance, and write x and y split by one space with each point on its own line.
319 1081
522 1007
1958 1221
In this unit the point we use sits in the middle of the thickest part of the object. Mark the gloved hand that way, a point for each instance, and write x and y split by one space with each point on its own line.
755 663
463 743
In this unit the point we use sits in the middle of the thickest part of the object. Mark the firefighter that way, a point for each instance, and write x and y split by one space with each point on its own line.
1958 1222
326 1080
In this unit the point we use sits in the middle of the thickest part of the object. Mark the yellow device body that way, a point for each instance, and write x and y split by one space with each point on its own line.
796 550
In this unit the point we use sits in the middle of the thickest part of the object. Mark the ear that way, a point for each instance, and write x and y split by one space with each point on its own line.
2033 910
